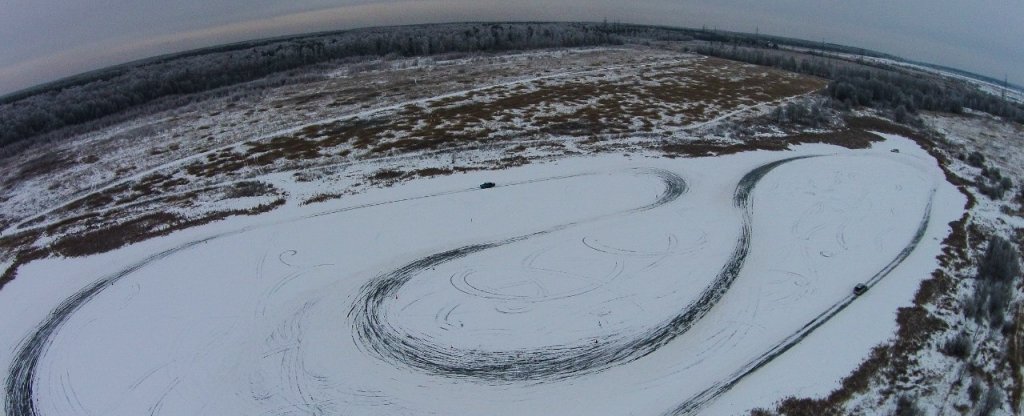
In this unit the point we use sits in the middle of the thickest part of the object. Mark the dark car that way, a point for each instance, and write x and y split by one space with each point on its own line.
860 289
487 185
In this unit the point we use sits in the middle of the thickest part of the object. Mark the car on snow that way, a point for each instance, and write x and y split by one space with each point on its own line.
487 185
860 289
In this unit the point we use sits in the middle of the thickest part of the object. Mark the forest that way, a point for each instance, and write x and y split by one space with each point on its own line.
71 106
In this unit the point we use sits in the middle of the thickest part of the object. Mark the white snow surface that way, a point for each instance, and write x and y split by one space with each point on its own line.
257 320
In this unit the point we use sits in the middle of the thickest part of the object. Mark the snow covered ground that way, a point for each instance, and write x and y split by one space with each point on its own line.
588 285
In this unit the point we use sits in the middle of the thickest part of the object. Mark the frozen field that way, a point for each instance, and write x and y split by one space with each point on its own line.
590 285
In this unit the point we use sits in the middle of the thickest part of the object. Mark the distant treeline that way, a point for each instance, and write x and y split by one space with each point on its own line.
89 100
93 96
855 84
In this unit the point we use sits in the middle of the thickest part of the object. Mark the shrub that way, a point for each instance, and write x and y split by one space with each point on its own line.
992 173
997 270
1000 262
958 346
803 114
974 391
994 192
989 301
976 159
906 406
993 184
248 189
998 303
990 403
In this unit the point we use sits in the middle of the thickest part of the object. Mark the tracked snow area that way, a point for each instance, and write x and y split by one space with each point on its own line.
590 285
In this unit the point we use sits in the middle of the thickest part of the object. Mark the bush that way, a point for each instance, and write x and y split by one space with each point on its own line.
997 270
906 406
974 391
248 189
976 159
1000 262
803 114
989 301
992 401
993 184
998 303
994 192
958 346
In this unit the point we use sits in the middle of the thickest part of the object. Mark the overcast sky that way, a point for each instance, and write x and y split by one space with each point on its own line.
43 40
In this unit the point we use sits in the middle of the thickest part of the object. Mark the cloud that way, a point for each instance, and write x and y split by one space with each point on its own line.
50 40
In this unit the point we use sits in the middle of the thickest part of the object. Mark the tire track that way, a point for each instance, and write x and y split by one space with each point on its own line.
552 363
694 404
21 374
549 363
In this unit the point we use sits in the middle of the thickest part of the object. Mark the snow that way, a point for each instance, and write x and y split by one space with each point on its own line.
257 318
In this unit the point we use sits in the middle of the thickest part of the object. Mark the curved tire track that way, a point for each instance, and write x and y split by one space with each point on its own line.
553 362
694 404
549 364
21 375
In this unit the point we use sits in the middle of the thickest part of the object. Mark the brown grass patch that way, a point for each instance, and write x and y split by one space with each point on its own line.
246 189
318 198
17 242
697 90
110 238
428 172
138 229
23 257
385 175
848 138
41 165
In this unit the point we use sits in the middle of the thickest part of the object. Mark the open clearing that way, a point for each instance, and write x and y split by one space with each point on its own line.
183 162
587 285
669 233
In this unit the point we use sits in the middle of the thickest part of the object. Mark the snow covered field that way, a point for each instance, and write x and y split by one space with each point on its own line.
588 285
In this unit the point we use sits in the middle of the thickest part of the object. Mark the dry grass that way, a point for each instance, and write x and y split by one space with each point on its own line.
324 197
892 362
642 101
848 138
44 164
138 229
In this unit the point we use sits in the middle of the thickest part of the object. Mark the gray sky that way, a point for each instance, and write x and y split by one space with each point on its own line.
43 40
